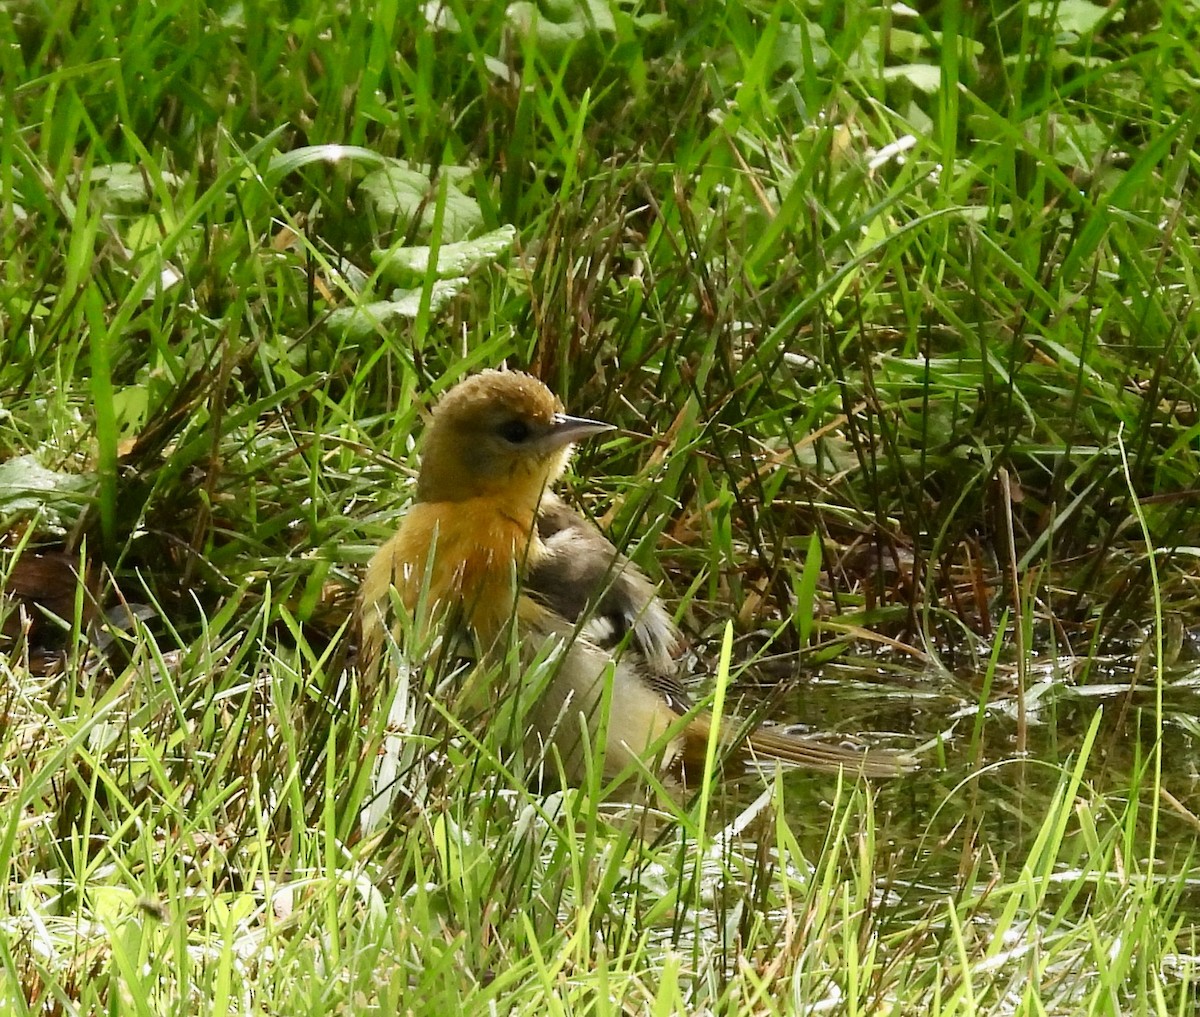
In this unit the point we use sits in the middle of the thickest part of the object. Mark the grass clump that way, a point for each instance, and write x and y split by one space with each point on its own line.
893 309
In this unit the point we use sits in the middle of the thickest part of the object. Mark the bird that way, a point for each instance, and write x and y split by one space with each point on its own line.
489 550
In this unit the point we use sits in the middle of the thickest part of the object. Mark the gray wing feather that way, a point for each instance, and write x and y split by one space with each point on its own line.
583 576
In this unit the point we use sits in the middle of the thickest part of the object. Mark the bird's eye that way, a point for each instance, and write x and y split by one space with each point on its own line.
514 431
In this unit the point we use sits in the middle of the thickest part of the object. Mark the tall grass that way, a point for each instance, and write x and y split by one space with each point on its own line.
893 311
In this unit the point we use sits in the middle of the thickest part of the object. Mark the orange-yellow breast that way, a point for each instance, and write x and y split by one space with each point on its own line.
446 554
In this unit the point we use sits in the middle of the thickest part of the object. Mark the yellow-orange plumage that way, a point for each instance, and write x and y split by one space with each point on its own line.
471 569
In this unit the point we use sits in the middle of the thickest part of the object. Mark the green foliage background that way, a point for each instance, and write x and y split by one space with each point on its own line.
914 288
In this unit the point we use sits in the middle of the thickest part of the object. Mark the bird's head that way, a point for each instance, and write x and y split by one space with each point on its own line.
498 434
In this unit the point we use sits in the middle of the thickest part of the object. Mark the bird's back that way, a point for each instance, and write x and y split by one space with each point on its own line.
582 576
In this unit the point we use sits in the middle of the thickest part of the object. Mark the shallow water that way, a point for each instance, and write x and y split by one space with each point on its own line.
976 800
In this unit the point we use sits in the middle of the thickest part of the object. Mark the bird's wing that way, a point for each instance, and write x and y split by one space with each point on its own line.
583 577
673 691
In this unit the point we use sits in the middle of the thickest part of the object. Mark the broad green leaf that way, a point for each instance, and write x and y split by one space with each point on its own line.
397 192
558 23
26 487
122 183
924 77
357 323
405 265
796 41
1078 16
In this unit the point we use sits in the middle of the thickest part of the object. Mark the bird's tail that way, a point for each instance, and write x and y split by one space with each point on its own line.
768 744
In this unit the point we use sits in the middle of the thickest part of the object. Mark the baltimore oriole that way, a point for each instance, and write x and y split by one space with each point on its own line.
488 545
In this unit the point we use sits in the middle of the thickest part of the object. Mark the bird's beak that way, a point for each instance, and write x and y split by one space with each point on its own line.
567 430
